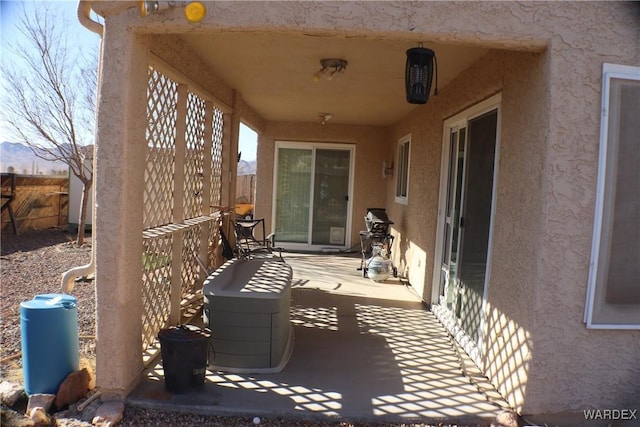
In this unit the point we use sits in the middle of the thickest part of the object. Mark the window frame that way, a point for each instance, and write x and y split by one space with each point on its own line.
595 286
403 169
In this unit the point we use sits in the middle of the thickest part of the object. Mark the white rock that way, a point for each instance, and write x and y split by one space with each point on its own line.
40 401
10 393
108 414
506 419
39 416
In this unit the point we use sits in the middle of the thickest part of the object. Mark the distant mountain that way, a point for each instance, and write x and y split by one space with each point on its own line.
22 160
246 167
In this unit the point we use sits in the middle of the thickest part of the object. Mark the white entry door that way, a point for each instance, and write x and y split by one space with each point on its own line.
312 200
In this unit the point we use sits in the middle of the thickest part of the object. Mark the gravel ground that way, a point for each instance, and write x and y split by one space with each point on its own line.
31 264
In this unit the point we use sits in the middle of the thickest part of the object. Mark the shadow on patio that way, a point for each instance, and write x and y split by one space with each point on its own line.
362 351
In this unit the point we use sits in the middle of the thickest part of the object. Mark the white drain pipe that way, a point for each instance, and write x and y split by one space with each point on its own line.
69 277
84 16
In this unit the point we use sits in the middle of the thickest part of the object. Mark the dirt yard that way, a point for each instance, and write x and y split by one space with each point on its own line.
32 263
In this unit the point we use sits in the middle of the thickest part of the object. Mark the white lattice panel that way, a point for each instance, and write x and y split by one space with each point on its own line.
214 253
194 156
156 287
163 200
190 268
162 94
216 156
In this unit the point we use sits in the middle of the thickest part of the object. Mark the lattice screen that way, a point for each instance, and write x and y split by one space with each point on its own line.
214 257
156 286
190 268
216 156
161 197
194 156
162 94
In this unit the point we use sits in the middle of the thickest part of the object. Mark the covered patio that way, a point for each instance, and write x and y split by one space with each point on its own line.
363 350
492 187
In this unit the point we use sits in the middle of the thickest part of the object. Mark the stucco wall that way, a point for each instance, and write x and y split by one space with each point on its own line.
119 180
370 148
536 348
415 222
518 222
520 77
575 367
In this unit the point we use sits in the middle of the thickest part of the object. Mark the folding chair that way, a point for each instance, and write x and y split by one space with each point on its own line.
249 245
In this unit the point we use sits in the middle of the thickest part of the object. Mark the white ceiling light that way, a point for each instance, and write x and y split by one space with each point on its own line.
325 117
329 67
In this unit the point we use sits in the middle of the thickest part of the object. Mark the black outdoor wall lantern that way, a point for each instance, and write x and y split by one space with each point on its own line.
421 64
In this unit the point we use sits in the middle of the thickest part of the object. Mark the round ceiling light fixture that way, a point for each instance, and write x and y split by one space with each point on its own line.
329 67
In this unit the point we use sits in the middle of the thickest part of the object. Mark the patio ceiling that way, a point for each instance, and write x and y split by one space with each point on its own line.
274 73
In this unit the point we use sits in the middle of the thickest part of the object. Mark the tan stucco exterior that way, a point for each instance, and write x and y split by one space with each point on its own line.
518 225
545 60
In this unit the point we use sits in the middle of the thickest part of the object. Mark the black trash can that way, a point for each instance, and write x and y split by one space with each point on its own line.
184 357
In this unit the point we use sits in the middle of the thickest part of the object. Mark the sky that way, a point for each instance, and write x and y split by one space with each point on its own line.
80 37
247 142
11 13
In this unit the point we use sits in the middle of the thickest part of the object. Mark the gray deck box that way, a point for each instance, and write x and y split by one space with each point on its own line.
246 307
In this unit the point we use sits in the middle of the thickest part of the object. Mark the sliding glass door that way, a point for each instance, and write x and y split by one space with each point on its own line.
312 197
475 222
467 198
293 191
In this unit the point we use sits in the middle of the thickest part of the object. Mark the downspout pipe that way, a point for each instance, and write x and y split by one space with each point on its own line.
84 16
69 277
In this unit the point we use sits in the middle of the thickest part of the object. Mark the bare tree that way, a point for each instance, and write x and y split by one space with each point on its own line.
49 97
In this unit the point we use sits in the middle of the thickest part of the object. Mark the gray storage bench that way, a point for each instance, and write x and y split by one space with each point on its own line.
246 307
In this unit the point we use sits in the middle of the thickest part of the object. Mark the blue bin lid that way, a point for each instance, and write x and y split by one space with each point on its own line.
50 301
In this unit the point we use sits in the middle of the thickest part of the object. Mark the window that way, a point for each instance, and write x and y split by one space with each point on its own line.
613 298
402 170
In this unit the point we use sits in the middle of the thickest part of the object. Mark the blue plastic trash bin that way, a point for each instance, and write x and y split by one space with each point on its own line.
50 352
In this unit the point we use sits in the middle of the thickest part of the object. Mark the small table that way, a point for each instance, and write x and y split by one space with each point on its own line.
246 307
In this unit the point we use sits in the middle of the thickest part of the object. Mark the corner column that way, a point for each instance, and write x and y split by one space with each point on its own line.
119 180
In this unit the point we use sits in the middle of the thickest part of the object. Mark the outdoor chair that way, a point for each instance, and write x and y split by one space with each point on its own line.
252 240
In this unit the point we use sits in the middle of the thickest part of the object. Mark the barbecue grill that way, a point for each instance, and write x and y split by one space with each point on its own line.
376 243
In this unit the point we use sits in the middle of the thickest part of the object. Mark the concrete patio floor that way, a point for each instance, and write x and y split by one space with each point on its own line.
362 351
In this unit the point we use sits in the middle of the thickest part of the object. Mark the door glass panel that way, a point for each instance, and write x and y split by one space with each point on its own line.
330 196
452 221
476 220
293 195
455 215
446 253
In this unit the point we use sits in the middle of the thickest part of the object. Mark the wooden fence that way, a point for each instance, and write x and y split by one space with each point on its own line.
245 188
37 202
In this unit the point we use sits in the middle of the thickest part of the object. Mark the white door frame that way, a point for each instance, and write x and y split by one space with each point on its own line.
474 349
313 146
